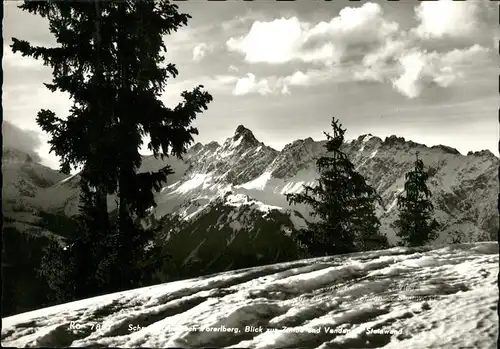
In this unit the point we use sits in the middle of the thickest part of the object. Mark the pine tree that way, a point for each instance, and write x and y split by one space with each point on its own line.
110 60
415 225
342 202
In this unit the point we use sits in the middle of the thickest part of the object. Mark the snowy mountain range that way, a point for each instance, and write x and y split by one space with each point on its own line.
419 298
231 195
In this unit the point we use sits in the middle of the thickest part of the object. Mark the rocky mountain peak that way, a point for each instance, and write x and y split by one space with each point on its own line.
446 149
391 140
481 153
301 144
363 137
196 148
364 142
248 136
296 156
213 145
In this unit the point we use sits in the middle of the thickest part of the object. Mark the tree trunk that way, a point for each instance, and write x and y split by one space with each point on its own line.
126 228
100 191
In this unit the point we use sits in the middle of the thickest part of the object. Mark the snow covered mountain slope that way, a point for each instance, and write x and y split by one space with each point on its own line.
232 232
23 177
60 193
429 297
23 181
465 188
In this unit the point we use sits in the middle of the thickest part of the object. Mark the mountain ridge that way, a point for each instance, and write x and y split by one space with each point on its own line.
231 200
388 140
217 177
246 163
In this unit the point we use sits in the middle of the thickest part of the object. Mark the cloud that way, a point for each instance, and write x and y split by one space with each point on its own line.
240 22
288 39
233 68
249 84
17 61
410 83
23 102
26 141
377 64
313 77
200 50
298 78
272 42
275 85
409 70
221 81
354 28
421 69
214 84
447 18
360 44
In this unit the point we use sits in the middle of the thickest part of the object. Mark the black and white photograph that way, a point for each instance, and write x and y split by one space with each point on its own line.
250 174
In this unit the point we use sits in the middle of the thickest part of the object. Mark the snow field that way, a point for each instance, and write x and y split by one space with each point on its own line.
396 298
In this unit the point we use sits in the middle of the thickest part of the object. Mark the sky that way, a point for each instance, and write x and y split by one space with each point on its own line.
424 71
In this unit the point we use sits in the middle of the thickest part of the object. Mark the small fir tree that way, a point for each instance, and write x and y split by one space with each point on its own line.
342 202
415 225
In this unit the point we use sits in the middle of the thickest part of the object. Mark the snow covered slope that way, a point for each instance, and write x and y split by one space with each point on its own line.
23 177
23 180
465 188
429 297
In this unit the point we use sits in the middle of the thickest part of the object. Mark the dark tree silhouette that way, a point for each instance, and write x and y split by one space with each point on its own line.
110 60
415 225
342 203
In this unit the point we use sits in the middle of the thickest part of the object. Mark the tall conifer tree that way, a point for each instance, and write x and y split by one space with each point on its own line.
110 59
342 203
415 225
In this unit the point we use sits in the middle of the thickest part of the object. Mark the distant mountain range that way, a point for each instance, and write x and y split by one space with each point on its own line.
231 195
231 200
